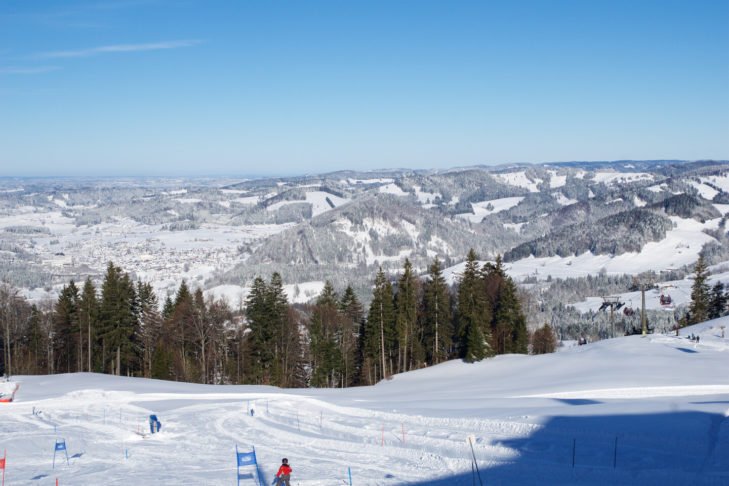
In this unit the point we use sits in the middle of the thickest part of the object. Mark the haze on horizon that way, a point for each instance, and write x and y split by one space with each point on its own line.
156 87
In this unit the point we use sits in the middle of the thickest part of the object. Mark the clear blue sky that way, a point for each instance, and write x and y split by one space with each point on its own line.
154 87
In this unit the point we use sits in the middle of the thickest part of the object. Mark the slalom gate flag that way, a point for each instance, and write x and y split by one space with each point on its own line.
2 465
60 446
247 459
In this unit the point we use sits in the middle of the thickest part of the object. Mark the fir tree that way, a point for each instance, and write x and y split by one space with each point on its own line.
719 300
473 313
700 296
406 312
437 316
88 314
259 341
65 322
379 330
352 332
325 323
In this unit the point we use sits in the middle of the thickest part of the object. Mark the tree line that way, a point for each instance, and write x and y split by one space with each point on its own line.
412 322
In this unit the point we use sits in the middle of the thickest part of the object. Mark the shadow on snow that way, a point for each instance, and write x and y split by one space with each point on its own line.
674 448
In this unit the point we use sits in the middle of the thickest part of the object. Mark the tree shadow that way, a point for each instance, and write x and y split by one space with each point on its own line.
674 448
687 350
577 401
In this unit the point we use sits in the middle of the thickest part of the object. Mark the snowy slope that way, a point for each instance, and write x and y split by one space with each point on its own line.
648 410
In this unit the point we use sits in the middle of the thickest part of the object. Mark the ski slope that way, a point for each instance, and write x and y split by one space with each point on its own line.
639 410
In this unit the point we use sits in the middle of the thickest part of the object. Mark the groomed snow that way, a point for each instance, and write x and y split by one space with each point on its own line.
638 410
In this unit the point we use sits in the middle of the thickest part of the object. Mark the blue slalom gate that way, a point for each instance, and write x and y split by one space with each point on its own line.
247 459
60 446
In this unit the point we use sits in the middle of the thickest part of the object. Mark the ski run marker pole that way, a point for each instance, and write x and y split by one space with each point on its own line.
471 439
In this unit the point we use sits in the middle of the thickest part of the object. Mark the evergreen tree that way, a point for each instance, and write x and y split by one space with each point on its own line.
406 312
473 313
118 321
379 331
509 322
168 308
150 325
278 307
326 322
88 314
700 296
65 323
352 332
260 336
34 342
437 315
719 300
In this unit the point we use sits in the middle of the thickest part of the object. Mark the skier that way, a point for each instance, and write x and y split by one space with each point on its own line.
284 473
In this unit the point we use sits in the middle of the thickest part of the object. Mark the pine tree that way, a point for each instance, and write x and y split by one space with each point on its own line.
325 322
700 296
509 322
88 314
260 351
719 300
65 323
352 333
437 315
406 312
150 325
118 321
473 313
278 305
379 331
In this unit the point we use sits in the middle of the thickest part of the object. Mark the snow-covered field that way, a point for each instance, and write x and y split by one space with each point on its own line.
639 410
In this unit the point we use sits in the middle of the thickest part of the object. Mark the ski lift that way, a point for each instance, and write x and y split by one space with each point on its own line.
666 299
628 311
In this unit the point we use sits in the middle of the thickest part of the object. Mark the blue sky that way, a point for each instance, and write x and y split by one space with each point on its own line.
154 87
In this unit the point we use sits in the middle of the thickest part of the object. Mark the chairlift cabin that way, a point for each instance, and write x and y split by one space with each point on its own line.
628 312
666 299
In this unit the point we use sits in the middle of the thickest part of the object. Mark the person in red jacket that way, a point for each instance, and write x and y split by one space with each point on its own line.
284 473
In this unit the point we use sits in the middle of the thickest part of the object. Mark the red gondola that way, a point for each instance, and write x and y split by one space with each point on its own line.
666 299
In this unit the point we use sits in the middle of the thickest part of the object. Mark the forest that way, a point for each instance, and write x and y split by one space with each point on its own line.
412 322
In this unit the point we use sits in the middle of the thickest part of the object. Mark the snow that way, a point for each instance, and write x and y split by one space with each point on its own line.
722 208
425 198
612 177
722 181
300 293
679 290
514 226
393 189
638 201
562 199
188 200
557 181
252 200
318 201
657 405
481 209
680 247
519 179
370 181
707 192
